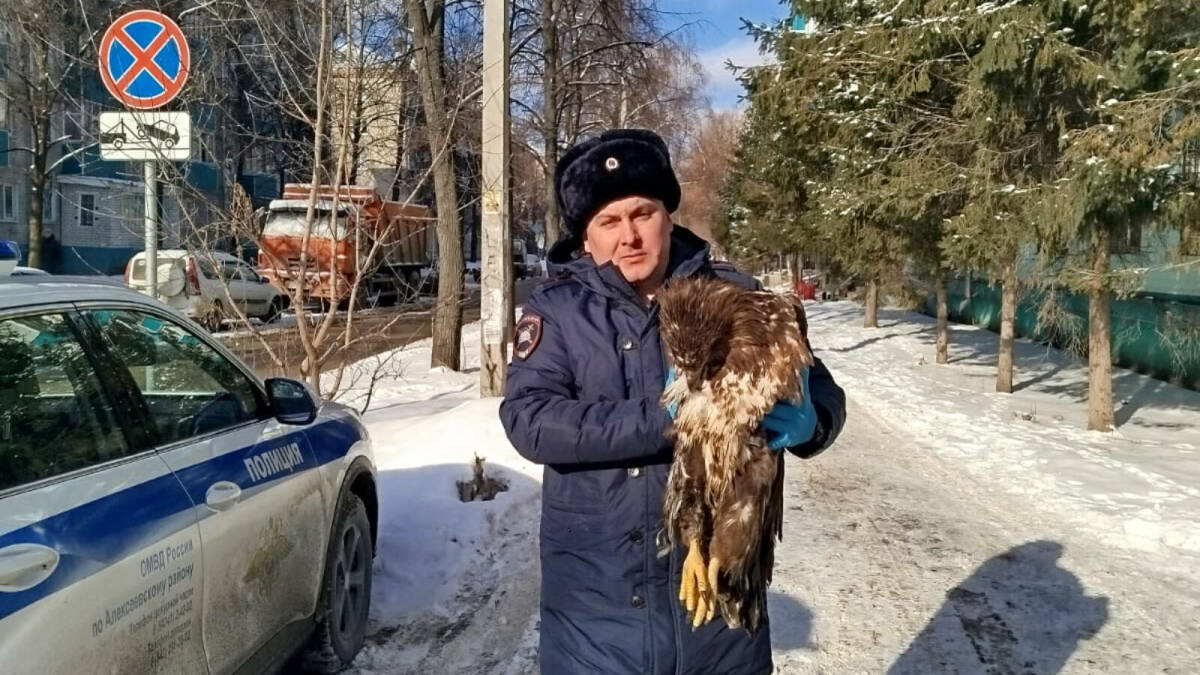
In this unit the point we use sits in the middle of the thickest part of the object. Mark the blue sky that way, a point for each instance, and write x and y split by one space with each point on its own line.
717 36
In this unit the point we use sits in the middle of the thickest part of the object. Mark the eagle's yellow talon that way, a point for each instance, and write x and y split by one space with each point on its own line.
694 588
714 566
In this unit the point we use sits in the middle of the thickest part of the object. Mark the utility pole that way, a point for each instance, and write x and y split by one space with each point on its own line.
495 301
150 225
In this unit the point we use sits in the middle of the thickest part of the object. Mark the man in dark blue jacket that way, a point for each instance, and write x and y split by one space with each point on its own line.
583 394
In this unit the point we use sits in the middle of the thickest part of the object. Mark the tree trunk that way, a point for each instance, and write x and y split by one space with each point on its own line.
871 319
447 313
37 188
1008 319
310 367
1100 396
623 109
943 320
794 263
436 12
356 132
551 99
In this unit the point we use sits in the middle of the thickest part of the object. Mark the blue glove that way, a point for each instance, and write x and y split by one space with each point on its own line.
672 408
787 424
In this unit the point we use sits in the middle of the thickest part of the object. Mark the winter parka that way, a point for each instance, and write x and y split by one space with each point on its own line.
584 402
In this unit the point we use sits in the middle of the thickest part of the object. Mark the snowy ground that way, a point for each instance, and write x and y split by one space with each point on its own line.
455 583
950 530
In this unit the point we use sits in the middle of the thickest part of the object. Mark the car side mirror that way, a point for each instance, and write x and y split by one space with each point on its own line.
291 401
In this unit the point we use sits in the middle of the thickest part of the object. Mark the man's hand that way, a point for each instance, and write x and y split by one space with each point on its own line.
787 424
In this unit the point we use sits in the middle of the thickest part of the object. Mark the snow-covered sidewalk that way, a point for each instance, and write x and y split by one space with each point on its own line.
1137 487
942 506
955 530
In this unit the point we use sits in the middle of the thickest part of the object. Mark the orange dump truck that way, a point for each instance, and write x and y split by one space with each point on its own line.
379 245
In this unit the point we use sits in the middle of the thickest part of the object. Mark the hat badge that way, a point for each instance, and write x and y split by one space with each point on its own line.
612 164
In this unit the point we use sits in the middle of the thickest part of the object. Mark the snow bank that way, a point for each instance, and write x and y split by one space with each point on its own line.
438 558
1137 487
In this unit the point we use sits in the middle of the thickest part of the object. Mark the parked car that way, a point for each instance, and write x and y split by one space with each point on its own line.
10 255
196 283
161 507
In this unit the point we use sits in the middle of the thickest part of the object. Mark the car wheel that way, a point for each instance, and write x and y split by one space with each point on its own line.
273 311
412 289
346 592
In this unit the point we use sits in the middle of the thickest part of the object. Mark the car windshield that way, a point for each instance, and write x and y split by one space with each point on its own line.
292 223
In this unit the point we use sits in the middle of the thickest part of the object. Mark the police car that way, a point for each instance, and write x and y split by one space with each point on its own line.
161 508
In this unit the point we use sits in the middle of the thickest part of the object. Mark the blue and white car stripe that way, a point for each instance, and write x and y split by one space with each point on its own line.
93 535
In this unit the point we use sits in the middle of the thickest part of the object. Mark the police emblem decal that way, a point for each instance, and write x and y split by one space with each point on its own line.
527 335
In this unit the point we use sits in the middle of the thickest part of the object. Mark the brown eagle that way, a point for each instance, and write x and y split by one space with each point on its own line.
735 353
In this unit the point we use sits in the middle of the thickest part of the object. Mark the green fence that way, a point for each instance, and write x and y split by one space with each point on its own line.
1156 337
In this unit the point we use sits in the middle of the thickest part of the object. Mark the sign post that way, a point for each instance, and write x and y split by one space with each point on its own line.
150 212
144 60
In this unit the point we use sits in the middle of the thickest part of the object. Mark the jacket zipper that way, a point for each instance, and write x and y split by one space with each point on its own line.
671 597
675 615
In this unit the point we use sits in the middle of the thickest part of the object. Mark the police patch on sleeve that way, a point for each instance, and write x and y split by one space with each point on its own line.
528 335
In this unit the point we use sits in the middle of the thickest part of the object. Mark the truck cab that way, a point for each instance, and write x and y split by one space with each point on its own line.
355 240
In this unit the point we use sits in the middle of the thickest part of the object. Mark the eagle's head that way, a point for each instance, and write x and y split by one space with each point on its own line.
694 320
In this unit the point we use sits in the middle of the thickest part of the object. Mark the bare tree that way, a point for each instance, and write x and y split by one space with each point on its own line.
581 66
551 108
447 315
318 84
704 166
45 37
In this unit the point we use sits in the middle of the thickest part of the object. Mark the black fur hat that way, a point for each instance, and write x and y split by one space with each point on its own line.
617 163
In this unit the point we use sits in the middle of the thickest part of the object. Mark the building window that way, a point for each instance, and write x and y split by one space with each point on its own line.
87 210
73 124
82 122
257 160
3 60
3 112
8 202
50 205
207 147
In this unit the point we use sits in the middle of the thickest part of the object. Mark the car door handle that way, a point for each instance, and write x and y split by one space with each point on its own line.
24 566
222 495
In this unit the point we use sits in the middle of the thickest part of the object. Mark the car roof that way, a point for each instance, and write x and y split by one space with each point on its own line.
28 291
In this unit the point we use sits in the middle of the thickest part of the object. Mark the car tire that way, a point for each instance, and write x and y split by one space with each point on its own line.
273 311
345 591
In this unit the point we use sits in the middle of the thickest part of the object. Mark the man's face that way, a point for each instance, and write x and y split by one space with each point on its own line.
635 234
